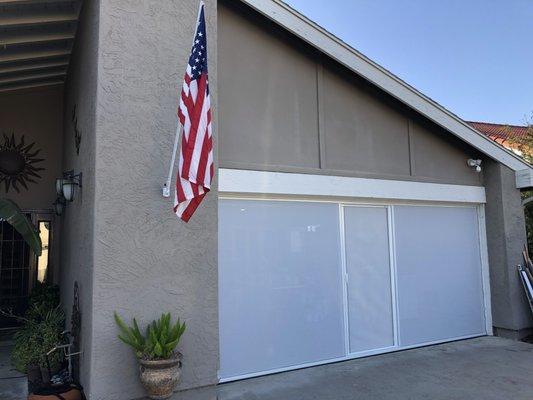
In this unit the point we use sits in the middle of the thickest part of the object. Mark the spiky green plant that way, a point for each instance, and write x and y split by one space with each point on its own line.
160 341
41 331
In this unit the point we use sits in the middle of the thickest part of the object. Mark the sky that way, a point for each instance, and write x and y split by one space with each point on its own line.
474 57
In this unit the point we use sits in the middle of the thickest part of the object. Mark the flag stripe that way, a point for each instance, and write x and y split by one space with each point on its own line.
195 168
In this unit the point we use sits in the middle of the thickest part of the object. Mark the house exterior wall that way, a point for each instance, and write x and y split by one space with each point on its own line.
287 108
147 262
78 236
36 114
506 237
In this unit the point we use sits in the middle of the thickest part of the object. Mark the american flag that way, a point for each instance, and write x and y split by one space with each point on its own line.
195 170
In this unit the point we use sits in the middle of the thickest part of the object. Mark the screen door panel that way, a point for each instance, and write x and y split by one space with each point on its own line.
280 286
440 294
370 316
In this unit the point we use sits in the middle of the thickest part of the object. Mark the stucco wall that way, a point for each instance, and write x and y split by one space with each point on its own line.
36 114
146 261
506 237
288 108
77 245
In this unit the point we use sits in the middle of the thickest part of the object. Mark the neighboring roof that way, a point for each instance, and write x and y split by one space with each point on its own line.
308 31
501 133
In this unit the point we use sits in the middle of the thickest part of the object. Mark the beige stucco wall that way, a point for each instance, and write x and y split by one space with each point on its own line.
77 244
126 247
145 260
36 114
289 108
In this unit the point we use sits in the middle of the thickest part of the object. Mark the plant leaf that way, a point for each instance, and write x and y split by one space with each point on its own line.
12 214
158 350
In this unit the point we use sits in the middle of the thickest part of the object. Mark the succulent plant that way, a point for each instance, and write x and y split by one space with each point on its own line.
160 340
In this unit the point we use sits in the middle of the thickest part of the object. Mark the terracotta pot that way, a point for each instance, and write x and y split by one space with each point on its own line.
71 394
160 377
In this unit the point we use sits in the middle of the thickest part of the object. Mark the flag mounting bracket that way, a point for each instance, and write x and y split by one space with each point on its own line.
166 190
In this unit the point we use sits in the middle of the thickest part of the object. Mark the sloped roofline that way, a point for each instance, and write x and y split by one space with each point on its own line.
316 36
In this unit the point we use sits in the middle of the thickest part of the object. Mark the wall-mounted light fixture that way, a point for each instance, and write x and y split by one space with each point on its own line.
66 186
59 205
476 164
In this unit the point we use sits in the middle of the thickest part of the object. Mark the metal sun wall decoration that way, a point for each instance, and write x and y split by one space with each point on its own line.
17 163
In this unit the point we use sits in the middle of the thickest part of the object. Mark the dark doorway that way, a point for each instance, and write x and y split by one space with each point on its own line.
20 268
14 273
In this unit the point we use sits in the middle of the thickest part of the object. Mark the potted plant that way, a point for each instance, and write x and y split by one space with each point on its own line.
159 362
42 329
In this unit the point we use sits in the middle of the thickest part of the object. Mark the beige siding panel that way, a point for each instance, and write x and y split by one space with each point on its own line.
437 157
270 97
362 133
287 108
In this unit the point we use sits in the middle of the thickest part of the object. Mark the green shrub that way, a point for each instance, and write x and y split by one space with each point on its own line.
43 298
45 294
38 335
160 341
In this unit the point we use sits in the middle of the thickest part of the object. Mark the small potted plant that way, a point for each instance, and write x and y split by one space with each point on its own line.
159 362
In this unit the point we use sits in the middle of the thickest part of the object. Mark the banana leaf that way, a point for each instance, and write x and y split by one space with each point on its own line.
13 215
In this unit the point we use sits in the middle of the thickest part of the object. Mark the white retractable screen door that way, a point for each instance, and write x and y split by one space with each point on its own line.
440 288
280 286
307 282
370 308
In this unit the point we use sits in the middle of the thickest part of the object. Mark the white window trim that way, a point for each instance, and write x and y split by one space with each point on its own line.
293 184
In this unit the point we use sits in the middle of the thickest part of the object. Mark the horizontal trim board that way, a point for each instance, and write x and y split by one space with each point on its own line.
311 33
31 85
23 2
32 77
34 55
349 357
37 19
36 38
38 66
280 183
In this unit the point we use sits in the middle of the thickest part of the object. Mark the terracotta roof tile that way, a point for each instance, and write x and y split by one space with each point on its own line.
499 132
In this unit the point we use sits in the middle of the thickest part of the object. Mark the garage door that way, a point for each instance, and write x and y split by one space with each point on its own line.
304 283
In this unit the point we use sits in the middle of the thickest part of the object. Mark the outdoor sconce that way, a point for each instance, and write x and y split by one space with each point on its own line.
66 186
476 164
59 206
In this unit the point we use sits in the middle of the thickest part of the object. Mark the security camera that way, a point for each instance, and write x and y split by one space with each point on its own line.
474 164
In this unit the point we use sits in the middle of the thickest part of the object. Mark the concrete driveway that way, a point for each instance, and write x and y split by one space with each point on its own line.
486 368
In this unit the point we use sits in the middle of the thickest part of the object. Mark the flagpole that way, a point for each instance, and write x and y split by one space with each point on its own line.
166 186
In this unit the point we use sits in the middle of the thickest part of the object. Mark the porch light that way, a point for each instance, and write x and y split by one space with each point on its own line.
59 186
59 205
475 164
66 186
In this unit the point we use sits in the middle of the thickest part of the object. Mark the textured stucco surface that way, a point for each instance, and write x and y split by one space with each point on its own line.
77 245
146 261
127 249
506 236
